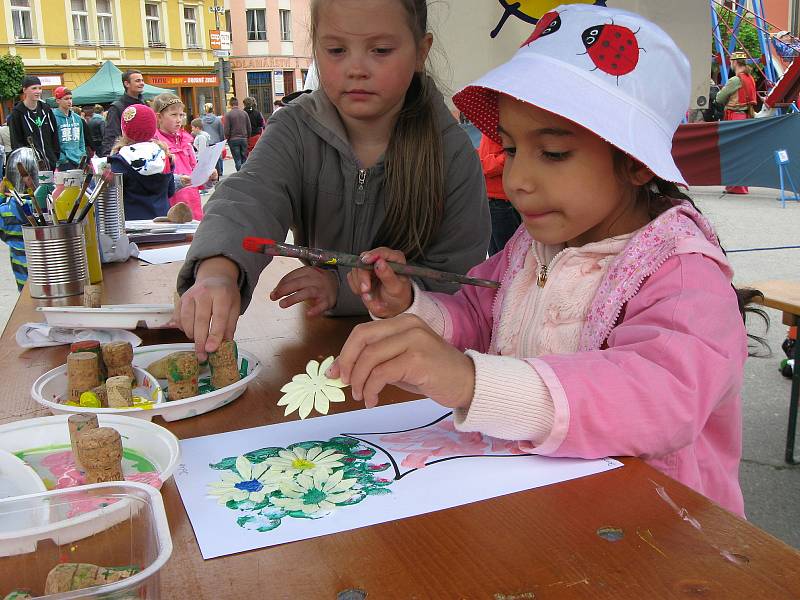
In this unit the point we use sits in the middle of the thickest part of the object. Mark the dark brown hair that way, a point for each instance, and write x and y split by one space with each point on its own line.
657 195
414 156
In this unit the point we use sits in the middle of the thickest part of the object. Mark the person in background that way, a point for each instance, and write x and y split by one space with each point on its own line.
32 119
788 48
212 125
96 124
147 181
5 143
12 215
71 138
738 96
133 82
505 218
201 138
169 110
237 132
256 122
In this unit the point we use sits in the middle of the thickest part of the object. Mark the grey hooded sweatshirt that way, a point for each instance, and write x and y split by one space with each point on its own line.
303 175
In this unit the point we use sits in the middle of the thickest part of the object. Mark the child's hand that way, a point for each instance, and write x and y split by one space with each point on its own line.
186 181
383 292
208 311
319 287
407 353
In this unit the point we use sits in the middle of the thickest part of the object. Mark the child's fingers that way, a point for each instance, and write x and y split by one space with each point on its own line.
219 322
292 282
319 307
371 359
202 321
394 284
301 295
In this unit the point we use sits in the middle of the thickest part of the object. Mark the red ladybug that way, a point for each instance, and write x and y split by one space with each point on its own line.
549 23
612 48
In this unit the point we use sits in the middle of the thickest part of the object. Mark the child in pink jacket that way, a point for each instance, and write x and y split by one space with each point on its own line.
170 111
615 330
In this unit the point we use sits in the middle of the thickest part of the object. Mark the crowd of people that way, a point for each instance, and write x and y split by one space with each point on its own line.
615 329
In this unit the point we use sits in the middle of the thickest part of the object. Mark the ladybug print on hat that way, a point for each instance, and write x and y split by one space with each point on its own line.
613 49
549 23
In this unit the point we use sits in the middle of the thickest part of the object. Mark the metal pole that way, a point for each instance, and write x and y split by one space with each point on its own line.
220 66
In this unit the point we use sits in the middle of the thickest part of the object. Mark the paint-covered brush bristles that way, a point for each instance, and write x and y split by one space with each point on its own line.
106 178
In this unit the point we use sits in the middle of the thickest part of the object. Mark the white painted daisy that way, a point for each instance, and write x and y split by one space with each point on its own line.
299 460
316 493
252 482
312 390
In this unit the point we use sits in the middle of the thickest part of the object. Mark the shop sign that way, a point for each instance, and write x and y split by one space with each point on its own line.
277 82
50 80
220 40
182 80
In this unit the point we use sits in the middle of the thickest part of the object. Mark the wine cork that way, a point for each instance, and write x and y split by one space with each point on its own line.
91 346
119 392
83 373
224 364
102 394
182 371
68 577
118 357
92 295
78 425
100 453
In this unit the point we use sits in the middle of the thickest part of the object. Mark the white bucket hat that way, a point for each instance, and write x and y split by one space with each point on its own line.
608 70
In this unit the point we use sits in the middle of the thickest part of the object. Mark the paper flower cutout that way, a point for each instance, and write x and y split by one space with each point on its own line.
252 482
299 460
312 390
316 493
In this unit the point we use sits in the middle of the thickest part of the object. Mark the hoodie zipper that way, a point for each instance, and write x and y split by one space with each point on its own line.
544 269
361 189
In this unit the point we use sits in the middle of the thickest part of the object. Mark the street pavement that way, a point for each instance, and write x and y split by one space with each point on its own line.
757 220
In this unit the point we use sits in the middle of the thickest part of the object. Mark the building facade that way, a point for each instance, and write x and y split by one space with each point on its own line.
64 42
271 49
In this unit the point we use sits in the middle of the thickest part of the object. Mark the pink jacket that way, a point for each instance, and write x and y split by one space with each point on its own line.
660 366
181 147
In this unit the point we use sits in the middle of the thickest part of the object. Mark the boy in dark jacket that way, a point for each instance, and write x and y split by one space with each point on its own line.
33 119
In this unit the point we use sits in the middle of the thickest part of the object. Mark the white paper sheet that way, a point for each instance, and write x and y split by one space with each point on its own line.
206 163
162 256
420 465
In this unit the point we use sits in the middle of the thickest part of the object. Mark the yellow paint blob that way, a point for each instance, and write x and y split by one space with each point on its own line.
90 400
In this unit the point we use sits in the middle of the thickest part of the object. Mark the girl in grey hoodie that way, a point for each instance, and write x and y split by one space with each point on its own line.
372 158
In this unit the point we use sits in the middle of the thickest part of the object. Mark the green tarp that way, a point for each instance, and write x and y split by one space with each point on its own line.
105 86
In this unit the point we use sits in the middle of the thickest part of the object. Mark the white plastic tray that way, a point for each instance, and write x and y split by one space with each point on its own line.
52 386
196 405
109 316
153 442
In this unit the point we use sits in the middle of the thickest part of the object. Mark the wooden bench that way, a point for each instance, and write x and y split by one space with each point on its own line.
784 295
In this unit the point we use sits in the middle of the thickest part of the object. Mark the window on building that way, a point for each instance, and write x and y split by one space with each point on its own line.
190 26
21 17
256 24
105 22
153 22
286 25
80 21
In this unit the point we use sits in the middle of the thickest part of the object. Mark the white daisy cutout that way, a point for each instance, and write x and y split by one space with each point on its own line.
252 482
317 493
299 460
312 390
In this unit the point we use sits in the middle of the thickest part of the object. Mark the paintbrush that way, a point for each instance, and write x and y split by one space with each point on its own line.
26 178
41 161
332 258
39 218
106 178
73 211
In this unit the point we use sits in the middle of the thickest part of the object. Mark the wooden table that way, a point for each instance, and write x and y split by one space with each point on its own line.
542 543
785 296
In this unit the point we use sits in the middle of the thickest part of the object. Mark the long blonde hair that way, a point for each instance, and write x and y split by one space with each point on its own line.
414 156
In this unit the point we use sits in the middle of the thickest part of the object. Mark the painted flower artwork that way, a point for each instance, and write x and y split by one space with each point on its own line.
312 390
308 480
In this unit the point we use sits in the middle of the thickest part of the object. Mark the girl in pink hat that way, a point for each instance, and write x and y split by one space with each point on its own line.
616 330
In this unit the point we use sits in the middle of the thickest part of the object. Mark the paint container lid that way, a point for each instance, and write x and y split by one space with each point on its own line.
111 525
